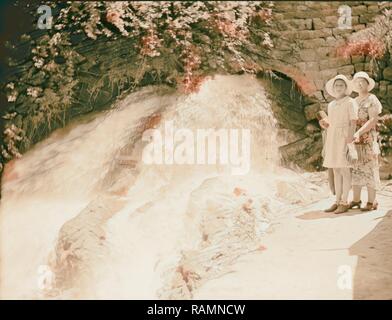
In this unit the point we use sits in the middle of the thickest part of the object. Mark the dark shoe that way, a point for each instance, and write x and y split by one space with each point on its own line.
332 208
355 204
370 206
342 208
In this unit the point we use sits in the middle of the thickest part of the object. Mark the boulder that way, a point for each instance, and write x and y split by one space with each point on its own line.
387 73
389 90
311 111
386 168
311 128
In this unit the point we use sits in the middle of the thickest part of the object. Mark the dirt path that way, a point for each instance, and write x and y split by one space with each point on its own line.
309 254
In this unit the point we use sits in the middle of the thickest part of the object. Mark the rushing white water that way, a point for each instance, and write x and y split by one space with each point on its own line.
77 224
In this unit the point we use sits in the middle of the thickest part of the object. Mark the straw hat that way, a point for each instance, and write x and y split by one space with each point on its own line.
364 75
329 85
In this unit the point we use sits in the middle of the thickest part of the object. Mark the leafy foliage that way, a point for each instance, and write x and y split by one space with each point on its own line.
175 42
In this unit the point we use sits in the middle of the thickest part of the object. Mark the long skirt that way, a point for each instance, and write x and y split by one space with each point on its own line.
365 171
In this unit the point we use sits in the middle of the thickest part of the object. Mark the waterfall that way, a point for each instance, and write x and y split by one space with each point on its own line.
85 217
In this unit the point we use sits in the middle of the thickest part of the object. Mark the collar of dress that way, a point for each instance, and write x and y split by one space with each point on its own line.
340 101
364 99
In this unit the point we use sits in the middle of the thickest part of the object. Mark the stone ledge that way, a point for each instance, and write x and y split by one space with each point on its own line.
357 10
334 63
312 34
311 111
294 24
314 43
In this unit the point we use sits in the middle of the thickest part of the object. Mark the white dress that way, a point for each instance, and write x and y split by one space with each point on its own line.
340 114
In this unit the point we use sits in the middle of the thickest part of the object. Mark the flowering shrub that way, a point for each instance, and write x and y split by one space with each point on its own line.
44 92
179 27
374 42
368 47
190 39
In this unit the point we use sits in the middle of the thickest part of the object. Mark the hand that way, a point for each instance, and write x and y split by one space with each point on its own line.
349 140
323 124
356 137
368 139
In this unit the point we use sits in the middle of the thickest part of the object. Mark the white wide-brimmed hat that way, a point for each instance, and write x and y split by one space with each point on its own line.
329 85
364 75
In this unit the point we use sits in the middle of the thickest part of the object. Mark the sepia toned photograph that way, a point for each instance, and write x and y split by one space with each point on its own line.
195 150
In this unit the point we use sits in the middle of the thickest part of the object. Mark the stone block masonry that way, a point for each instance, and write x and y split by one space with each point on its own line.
306 35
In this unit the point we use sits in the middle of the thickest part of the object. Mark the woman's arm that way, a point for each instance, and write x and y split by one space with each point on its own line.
351 132
324 121
353 114
370 124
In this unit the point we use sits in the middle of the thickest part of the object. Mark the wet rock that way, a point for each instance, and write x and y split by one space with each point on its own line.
386 168
311 129
311 111
387 73
306 153
226 222
80 244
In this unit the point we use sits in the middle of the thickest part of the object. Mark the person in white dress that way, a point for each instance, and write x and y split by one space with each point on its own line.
340 124
365 171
